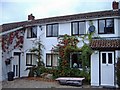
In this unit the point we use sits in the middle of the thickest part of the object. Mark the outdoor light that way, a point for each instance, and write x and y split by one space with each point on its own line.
96 52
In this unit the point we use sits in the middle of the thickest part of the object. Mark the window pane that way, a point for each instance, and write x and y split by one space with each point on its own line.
28 32
14 68
109 26
34 32
34 59
104 58
55 30
101 26
55 60
110 58
79 61
28 59
75 27
109 23
48 62
74 60
82 27
49 30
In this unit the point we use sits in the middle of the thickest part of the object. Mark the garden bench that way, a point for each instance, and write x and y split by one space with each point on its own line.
70 81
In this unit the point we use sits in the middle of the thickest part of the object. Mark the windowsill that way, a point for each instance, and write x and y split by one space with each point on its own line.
50 66
51 36
30 65
106 33
78 34
31 37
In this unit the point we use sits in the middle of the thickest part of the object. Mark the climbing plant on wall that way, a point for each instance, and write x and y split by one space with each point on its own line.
11 41
66 45
38 50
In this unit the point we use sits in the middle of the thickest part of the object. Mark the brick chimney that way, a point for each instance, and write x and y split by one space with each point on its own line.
115 5
31 17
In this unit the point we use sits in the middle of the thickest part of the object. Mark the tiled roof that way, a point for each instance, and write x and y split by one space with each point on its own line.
105 43
84 16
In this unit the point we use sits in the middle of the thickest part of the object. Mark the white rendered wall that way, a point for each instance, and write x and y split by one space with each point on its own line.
65 28
95 69
28 44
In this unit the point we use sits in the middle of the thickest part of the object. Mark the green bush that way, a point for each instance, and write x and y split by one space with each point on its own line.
68 72
39 71
118 72
74 72
36 71
86 75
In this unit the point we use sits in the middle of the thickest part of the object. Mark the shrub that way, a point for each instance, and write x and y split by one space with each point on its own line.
39 70
86 75
74 72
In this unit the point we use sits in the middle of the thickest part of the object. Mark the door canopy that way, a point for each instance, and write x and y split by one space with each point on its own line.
105 44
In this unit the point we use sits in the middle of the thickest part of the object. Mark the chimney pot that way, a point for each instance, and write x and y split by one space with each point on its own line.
115 5
31 17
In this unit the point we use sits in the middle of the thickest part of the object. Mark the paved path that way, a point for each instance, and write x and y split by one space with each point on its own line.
25 83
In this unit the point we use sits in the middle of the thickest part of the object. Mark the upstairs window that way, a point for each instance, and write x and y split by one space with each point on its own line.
52 30
32 32
106 26
78 28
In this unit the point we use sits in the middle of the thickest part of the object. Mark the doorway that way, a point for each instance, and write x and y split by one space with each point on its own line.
107 68
16 64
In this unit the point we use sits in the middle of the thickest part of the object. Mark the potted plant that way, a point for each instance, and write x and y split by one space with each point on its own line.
7 61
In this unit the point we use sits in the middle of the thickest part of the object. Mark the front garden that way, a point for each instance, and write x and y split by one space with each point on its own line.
66 45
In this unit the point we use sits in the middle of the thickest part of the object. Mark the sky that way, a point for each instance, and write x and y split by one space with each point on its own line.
18 10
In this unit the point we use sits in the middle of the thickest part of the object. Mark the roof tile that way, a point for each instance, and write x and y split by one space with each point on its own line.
90 15
105 43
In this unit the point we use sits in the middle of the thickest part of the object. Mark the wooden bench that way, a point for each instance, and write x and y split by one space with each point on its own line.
70 81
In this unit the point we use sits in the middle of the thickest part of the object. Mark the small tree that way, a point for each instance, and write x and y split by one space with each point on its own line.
37 49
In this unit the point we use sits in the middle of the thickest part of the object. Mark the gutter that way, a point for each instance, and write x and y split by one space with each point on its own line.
12 30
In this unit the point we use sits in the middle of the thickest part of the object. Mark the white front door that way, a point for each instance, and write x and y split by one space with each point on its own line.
15 65
107 68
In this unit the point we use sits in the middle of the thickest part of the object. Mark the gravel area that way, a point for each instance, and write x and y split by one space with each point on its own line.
26 83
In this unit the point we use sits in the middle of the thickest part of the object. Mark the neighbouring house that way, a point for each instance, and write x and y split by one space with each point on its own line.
18 38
